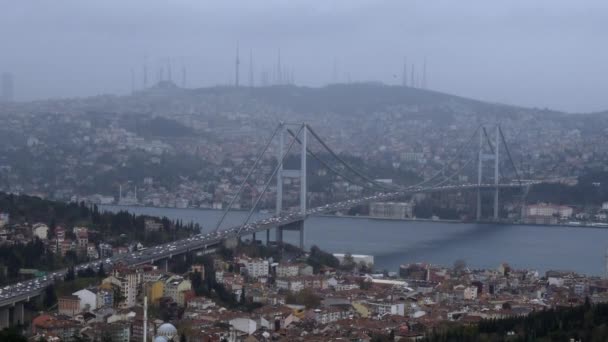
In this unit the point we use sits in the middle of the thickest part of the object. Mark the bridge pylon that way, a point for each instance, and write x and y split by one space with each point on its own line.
282 173
482 157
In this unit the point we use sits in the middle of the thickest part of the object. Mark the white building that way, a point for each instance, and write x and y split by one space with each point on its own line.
470 293
290 284
387 308
175 287
255 268
40 230
287 270
396 210
546 210
88 299
245 325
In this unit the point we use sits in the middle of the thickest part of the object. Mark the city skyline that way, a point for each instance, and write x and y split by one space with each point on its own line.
473 49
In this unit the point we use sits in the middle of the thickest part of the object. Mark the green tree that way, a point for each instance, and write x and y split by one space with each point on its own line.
50 297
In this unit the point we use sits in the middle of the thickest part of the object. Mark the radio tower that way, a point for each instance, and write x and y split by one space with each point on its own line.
424 74
250 68
279 67
404 74
236 67
145 76
413 76
183 77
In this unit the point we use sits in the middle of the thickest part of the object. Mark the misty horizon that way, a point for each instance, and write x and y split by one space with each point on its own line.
548 54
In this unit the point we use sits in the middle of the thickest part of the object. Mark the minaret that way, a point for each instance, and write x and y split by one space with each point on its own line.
404 74
236 67
145 319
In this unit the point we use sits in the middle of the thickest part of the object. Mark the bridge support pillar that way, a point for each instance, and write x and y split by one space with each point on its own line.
253 238
279 235
294 226
267 236
165 265
302 236
4 317
18 314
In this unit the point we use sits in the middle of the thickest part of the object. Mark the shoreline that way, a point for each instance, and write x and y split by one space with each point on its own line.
460 221
367 217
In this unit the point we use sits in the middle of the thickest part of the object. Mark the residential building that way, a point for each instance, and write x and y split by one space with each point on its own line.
68 305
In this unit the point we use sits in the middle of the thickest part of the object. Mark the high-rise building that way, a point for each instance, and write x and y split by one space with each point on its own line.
8 91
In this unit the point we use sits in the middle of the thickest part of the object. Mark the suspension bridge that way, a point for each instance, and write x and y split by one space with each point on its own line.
484 153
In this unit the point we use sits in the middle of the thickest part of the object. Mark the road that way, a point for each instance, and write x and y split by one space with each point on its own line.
27 289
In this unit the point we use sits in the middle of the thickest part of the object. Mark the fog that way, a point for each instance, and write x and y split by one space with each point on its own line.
546 53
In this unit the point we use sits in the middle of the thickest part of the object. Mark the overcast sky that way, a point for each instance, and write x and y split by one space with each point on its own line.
551 53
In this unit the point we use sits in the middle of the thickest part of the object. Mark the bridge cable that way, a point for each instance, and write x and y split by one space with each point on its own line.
457 172
504 142
276 169
332 169
251 170
456 155
347 165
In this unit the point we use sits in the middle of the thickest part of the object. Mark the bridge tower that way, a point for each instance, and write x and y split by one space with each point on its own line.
301 174
495 156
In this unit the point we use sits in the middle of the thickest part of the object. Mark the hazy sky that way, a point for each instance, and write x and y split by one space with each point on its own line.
551 53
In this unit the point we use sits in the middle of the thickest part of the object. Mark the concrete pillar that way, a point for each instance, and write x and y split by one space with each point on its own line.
279 235
165 265
253 238
302 235
18 314
4 317
267 236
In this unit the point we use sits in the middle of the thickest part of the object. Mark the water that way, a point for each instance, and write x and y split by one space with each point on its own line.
396 242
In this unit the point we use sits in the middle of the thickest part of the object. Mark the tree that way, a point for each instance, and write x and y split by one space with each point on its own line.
11 335
182 338
242 300
348 263
305 297
70 276
101 272
50 298
459 266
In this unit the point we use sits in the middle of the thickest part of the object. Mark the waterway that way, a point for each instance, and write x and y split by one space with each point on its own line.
394 242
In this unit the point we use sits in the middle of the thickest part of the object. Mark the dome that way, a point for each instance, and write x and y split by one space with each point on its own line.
160 339
167 330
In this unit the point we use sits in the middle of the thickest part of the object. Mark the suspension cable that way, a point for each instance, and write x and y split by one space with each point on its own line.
504 142
456 155
251 170
347 165
332 169
274 172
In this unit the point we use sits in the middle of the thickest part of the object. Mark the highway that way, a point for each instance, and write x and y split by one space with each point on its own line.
25 290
